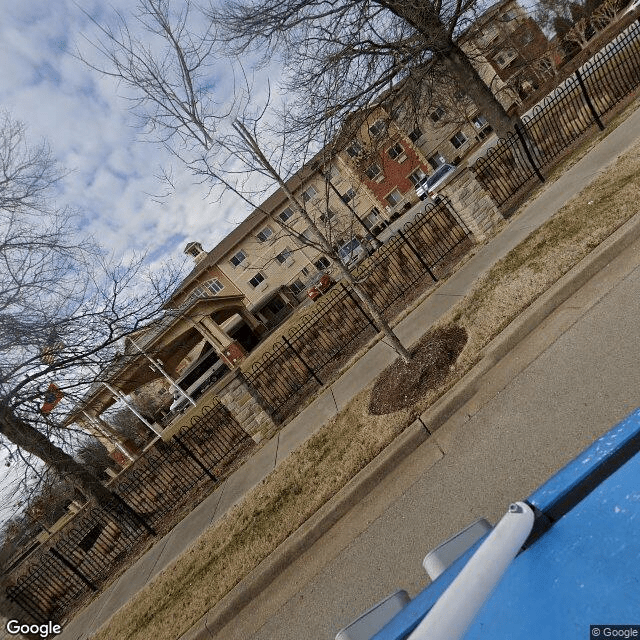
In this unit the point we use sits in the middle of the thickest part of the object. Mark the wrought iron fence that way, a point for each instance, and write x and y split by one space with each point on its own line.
298 362
78 559
575 106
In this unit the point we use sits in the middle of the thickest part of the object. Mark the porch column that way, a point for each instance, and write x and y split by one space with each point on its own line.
231 351
121 396
252 321
117 439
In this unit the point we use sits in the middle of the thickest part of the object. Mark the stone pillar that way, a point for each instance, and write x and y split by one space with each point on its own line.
473 204
246 406
255 325
231 351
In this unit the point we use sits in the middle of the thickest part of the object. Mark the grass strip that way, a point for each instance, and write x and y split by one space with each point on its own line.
229 550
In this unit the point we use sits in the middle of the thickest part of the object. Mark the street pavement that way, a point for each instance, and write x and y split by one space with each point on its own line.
567 383
334 398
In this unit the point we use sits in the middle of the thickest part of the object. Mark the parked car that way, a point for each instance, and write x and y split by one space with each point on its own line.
426 188
320 283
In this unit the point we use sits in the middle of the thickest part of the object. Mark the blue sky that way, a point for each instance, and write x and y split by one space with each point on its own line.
91 133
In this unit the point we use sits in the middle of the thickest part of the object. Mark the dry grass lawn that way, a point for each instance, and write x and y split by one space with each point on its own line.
228 551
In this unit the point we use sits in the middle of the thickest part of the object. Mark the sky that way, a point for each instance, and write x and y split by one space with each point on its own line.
91 132
111 171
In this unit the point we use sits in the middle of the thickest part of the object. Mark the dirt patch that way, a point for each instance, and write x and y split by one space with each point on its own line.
402 384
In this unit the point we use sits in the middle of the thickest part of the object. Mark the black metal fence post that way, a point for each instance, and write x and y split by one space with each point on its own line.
191 455
309 369
523 141
73 568
587 99
359 307
134 514
423 262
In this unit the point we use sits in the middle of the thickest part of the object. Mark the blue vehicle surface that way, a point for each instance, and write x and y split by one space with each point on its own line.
579 564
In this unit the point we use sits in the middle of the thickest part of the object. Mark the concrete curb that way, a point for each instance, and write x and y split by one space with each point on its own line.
529 319
359 486
297 543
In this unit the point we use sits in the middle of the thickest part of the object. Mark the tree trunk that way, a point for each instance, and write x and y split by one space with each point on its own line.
30 439
382 325
437 39
459 66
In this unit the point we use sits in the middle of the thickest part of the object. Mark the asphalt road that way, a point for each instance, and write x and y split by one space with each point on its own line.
572 379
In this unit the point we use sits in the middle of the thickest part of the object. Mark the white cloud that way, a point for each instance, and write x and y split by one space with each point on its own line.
92 134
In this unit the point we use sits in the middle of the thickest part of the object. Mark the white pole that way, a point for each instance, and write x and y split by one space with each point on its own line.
457 607
95 421
156 364
121 396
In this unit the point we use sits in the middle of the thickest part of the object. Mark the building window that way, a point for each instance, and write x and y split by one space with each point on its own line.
415 135
437 114
286 214
354 149
527 38
309 194
256 280
214 285
488 35
505 57
458 140
377 128
507 16
373 171
348 196
238 258
372 219
306 237
416 176
436 160
265 234
331 173
479 121
396 151
322 263
325 217
305 271
297 287
394 197
205 290
284 255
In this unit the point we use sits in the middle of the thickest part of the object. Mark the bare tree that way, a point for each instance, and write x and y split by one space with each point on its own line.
362 50
165 63
64 307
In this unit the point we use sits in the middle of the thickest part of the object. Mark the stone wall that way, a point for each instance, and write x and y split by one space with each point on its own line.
245 405
472 203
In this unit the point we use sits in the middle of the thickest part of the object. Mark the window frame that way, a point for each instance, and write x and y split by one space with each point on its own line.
308 197
235 256
355 149
458 143
259 282
437 114
284 255
286 216
394 148
373 175
266 237
377 128
395 190
415 180
322 263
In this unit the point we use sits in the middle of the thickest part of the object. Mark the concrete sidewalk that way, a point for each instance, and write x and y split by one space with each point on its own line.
335 397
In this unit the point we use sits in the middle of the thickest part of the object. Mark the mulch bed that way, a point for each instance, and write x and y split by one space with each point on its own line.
401 384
